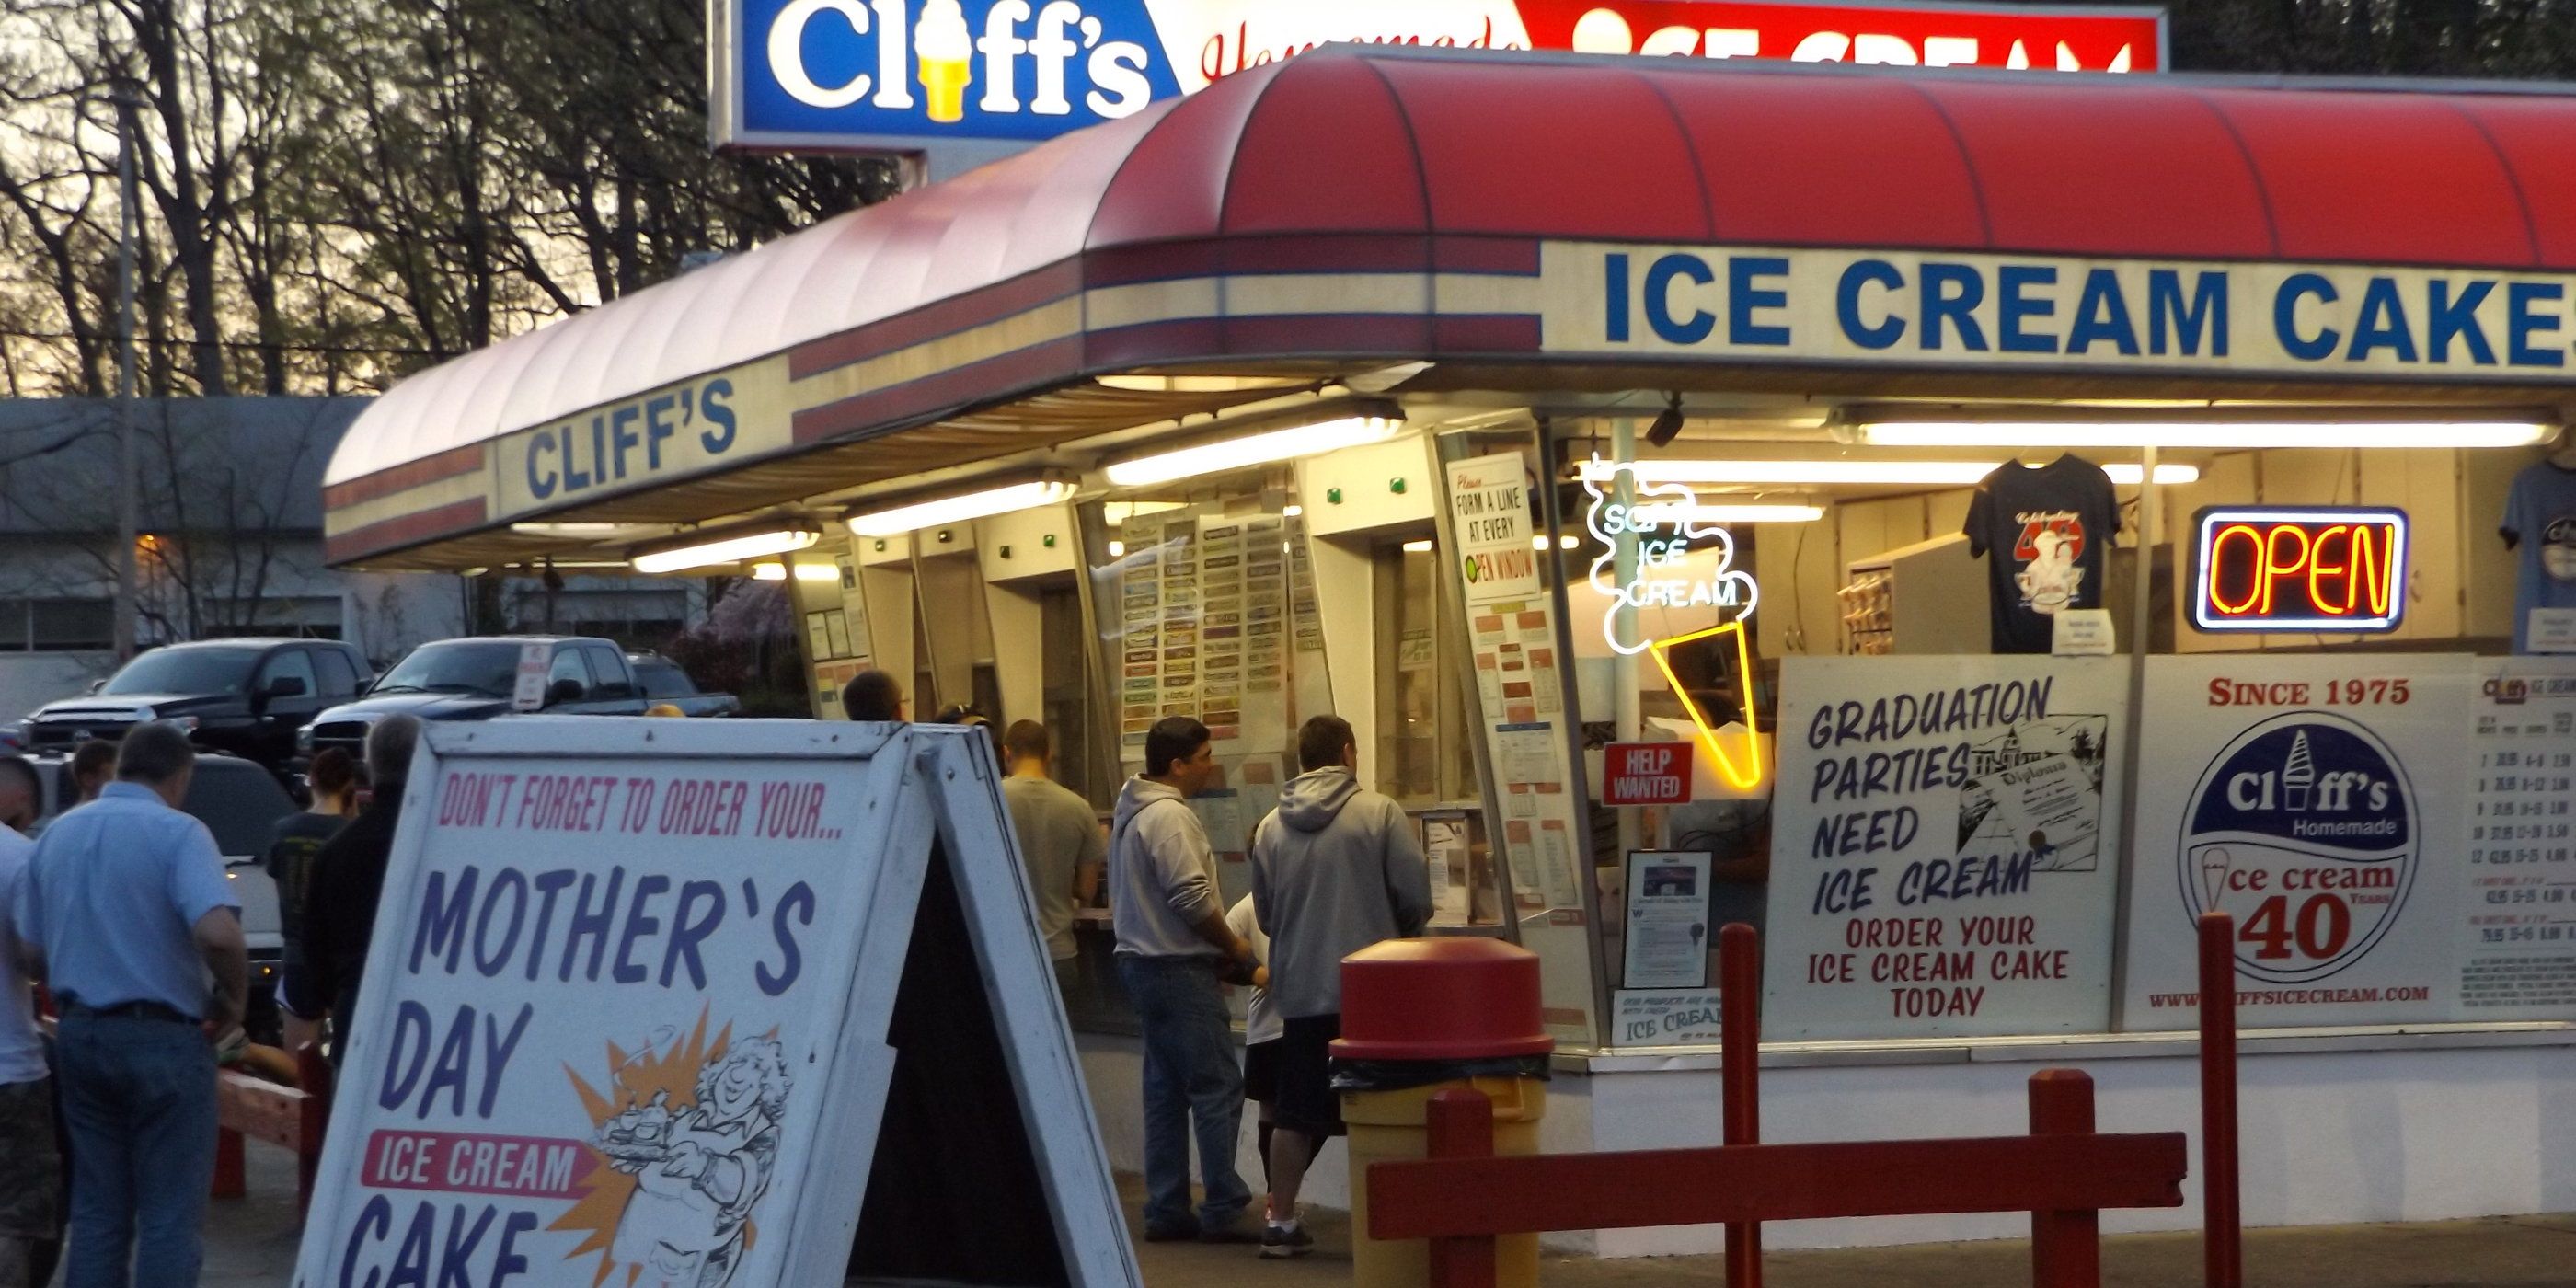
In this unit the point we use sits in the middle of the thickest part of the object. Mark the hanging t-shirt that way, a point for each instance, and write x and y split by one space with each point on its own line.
2044 534
2540 519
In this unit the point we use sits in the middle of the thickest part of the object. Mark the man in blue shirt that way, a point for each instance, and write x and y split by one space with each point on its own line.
125 912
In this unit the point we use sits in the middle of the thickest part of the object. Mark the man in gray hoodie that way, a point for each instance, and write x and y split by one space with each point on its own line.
1335 869
1175 953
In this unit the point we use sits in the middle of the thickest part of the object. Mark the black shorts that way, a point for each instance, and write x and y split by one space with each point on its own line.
1306 1102
1261 1071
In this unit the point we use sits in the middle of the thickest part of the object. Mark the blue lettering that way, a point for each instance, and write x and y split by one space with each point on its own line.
688 932
1742 297
411 1264
590 925
1659 299
508 1261
410 1050
455 1057
2102 314
1862 273
1614 296
719 413
1952 292
375 1220
2458 319
638 926
621 437
657 426
443 925
549 885
497 1051
488 961
2285 318
541 479
800 899
2382 324
457 1258
2015 306
2205 316
576 479
2521 324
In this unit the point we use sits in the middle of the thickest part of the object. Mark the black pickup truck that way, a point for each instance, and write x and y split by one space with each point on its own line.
246 697
473 679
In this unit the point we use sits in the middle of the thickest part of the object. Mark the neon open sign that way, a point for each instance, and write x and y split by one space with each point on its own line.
2272 568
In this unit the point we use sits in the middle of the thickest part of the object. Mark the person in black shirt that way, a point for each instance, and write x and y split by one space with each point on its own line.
347 878
299 836
2045 535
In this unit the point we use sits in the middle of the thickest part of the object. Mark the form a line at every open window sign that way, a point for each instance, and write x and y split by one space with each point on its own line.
903 75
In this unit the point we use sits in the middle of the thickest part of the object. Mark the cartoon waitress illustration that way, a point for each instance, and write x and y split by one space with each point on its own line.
698 1172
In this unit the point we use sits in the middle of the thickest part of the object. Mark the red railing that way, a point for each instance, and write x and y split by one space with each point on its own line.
2064 1173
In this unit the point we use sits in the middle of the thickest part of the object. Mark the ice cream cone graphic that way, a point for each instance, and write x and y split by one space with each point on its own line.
2215 863
945 52
2299 776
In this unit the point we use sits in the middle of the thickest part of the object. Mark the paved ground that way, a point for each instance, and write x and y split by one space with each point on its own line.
251 1244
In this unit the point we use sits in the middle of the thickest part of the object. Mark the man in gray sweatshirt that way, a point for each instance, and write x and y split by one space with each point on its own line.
1175 953
1335 869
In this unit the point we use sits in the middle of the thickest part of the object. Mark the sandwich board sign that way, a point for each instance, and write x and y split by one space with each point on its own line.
649 1002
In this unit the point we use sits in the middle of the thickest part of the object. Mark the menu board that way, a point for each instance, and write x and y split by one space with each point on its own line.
2317 799
2517 914
1158 644
1945 846
1513 644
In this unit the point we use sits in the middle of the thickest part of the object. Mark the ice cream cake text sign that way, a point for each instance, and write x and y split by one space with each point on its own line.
599 1001
1944 846
2317 801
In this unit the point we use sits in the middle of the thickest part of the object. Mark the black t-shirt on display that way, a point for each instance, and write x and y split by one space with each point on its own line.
2044 534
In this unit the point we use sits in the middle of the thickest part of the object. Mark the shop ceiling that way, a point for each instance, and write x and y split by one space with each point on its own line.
1471 232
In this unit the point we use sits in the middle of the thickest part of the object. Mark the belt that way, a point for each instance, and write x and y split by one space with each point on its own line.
128 1011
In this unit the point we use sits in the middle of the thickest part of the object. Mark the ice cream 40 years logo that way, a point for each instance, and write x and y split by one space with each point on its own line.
2304 830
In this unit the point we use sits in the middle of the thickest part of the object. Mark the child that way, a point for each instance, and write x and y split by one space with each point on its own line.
1262 1029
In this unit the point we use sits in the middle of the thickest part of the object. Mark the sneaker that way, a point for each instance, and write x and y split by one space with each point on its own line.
1181 1231
1280 1242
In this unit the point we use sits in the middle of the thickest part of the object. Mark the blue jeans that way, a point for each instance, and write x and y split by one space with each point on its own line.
1191 1079
139 1097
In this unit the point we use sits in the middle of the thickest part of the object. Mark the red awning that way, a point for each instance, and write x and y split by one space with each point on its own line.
1180 236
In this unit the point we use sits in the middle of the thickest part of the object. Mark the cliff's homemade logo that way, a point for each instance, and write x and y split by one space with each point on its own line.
2304 829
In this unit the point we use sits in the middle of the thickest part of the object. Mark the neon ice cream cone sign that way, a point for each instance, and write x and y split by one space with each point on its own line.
1672 572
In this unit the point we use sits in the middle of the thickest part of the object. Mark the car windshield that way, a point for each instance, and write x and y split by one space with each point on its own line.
187 670
239 802
463 666
663 680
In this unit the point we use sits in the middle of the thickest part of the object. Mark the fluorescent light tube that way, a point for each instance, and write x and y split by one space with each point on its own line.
1252 449
1849 473
724 549
804 572
2207 434
957 507
1731 512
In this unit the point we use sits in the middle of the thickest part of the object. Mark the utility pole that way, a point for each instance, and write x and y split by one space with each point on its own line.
127 99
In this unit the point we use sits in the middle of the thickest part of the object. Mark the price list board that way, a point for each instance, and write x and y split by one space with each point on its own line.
2517 914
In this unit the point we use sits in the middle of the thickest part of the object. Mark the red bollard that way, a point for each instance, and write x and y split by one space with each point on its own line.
2223 1238
1459 1123
2065 1247
1739 955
